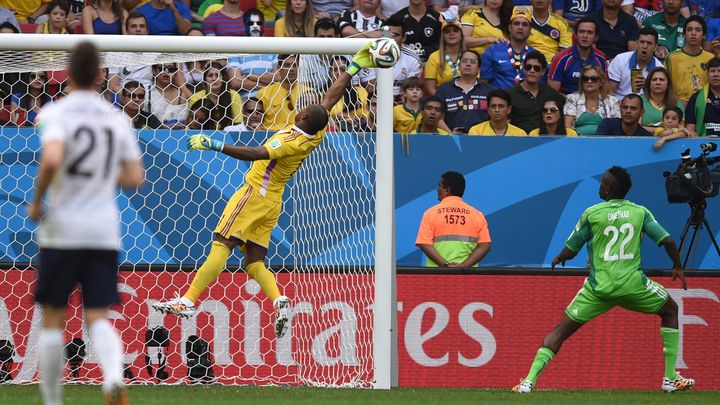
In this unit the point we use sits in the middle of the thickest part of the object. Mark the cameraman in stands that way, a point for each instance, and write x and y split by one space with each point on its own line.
703 117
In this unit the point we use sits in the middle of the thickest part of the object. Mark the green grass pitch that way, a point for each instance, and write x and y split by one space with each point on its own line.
220 395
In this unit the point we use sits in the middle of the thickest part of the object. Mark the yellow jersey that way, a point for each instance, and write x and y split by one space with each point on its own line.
287 149
482 28
568 131
438 131
688 72
484 128
279 104
440 71
235 105
270 12
550 37
404 120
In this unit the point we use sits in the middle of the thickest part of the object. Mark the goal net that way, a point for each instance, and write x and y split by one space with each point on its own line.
325 249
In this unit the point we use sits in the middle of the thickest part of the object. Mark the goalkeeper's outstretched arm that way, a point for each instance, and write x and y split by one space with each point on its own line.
361 60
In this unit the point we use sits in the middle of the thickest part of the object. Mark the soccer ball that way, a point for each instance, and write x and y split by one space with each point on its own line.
384 52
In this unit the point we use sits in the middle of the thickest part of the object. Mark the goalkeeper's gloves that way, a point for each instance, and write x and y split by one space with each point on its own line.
361 60
204 142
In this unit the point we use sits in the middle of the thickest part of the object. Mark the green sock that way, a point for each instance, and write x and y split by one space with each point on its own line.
542 358
671 339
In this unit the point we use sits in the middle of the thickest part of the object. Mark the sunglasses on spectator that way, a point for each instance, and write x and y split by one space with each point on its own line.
591 79
550 109
533 68
169 69
256 23
249 111
37 75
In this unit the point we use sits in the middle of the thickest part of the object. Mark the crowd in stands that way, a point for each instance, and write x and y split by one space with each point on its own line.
476 67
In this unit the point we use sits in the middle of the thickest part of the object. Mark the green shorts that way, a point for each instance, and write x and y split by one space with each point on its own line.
645 296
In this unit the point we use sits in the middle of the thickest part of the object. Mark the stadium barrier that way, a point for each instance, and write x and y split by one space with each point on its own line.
532 190
471 328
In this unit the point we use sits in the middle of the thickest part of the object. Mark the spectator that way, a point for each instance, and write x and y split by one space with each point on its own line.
227 104
248 73
331 8
135 24
167 98
350 112
57 12
564 74
631 109
462 241
390 7
317 66
633 65
643 9
9 81
551 120
101 87
29 102
442 65
7 16
271 8
550 33
226 22
669 26
199 116
431 116
686 65
670 128
617 30
703 110
29 11
282 95
298 21
254 22
487 25
657 96
167 17
253 112
193 72
502 63
422 26
133 99
464 6
74 17
465 97
408 65
361 21
499 108
573 10
104 17
8 28
585 109
529 95
406 116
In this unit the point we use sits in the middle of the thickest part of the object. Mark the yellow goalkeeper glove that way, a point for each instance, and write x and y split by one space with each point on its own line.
204 142
361 60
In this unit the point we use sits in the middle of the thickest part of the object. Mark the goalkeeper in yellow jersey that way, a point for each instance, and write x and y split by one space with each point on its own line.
251 214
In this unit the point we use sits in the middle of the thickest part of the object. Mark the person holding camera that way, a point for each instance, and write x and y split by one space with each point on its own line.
702 113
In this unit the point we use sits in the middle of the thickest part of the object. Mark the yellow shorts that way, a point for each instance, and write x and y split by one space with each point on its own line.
248 216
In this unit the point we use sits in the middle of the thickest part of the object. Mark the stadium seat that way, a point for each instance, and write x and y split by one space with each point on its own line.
27 28
78 29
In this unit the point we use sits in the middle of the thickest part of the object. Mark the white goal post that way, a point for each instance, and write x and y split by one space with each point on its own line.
42 49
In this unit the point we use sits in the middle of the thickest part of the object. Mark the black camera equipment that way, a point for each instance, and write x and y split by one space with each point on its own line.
199 360
694 181
7 352
75 355
157 340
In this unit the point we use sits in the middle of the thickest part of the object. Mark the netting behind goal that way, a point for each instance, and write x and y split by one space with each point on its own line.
323 248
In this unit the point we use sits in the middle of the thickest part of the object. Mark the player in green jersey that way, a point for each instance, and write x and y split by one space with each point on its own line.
612 231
